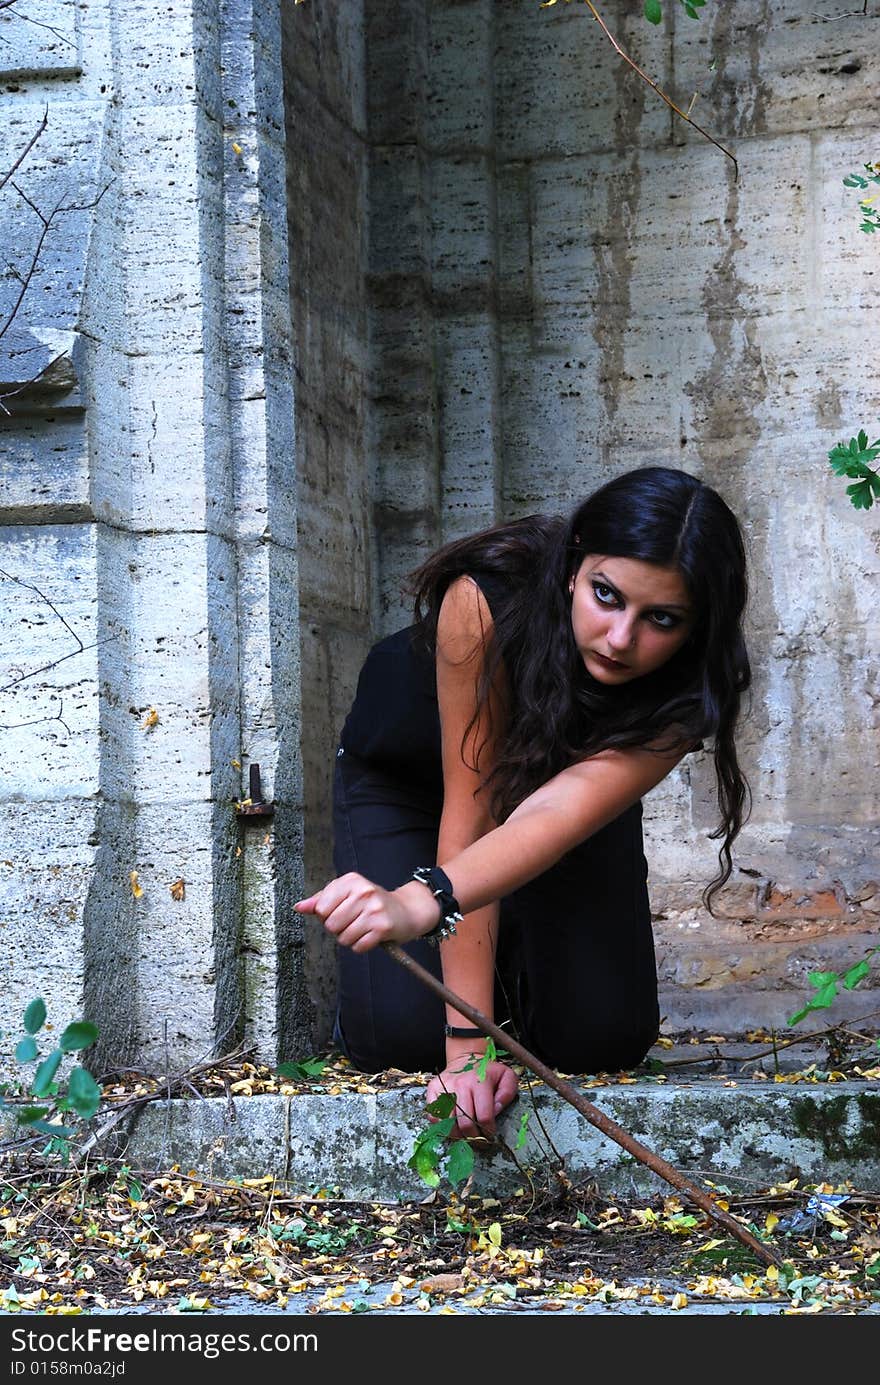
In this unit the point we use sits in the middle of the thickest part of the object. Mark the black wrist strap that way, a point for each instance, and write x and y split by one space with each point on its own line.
440 885
454 1031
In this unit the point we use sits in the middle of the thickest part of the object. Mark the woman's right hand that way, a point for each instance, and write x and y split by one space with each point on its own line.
361 915
478 1101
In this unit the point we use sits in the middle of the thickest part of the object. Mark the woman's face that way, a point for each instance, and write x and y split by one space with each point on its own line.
628 617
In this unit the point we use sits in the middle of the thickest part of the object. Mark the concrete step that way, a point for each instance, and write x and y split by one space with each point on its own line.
742 1133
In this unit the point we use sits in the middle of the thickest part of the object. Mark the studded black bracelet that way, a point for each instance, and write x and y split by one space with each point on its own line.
440 885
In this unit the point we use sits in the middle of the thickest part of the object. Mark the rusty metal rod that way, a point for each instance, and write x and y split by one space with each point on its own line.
592 1113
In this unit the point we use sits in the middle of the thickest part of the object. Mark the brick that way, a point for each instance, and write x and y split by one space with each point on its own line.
806 904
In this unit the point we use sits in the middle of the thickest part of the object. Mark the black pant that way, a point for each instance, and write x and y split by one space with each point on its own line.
575 971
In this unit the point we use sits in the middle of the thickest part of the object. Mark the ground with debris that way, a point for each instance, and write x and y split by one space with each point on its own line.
94 1235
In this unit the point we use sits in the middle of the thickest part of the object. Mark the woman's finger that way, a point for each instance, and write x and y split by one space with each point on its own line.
306 906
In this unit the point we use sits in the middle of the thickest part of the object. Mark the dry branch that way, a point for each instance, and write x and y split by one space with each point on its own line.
603 1123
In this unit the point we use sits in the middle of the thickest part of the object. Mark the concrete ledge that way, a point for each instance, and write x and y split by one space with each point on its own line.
356 1146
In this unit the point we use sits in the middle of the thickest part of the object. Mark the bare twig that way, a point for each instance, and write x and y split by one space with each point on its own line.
37 721
799 1039
603 1123
10 394
29 586
38 23
655 86
27 149
172 1083
60 209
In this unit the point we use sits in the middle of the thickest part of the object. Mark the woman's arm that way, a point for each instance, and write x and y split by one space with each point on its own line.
563 812
464 629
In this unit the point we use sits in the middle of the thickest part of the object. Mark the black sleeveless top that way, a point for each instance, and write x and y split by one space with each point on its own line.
394 722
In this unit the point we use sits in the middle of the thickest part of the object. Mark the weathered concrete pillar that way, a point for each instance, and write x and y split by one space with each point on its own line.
179 522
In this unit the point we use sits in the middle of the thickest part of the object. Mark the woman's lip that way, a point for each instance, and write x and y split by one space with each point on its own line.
611 663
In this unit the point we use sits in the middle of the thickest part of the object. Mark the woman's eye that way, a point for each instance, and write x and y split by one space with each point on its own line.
607 595
664 620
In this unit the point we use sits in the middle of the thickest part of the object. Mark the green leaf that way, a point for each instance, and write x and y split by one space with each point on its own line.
653 11
45 1074
425 1161
26 1050
852 458
46 1129
821 978
83 1093
826 981
860 495
522 1133
825 995
78 1035
35 1016
434 1135
28 1114
444 1105
855 180
856 974
488 1057
460 1164
300 1072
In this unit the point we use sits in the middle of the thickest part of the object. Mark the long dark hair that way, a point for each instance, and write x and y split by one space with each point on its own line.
557 713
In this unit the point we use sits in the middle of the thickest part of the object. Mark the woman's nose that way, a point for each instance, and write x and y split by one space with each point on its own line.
620 632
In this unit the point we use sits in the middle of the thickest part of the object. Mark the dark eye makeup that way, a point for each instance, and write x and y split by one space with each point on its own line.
607 596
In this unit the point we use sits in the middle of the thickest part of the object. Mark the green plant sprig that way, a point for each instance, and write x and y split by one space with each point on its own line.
82 1096
826 983
870 216
654 10
851 459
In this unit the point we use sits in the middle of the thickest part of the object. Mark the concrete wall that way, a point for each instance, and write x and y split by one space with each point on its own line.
568 281
327 177
351 278
148 526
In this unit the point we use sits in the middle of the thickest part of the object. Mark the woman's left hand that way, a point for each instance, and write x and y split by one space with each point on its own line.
361 915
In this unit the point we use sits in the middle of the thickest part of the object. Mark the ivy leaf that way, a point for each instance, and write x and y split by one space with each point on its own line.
26 1050
45 1074
35 1016
653 11
460 1164
83 1093
78 1035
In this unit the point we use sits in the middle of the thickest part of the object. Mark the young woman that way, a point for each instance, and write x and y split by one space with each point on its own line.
492 766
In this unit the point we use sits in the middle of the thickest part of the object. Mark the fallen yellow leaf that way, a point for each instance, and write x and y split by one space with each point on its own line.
136 888
150 720
177 889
